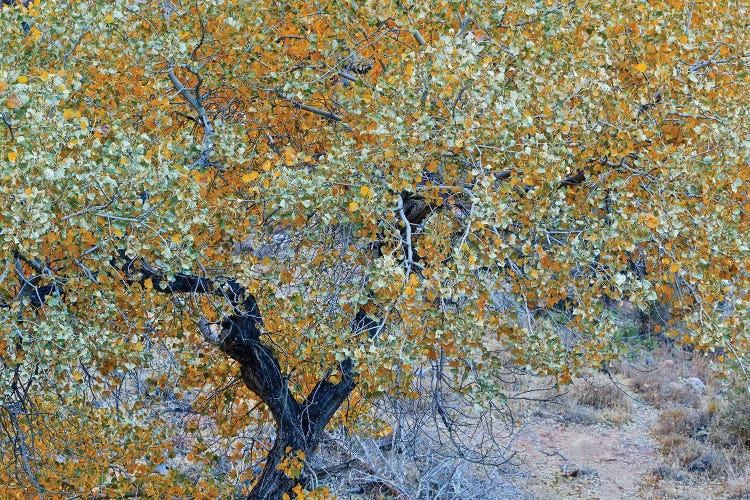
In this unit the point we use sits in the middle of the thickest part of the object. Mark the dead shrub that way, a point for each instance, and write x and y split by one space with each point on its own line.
687 422
662 472
731 427
738 489
693 456
599 392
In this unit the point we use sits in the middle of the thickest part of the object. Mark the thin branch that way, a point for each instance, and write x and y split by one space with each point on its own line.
311 109
13 412
73 48
699 65
10 127
194 53
407 233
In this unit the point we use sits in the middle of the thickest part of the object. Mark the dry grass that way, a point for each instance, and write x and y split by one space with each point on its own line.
739 488
731 427
596 399
663 379
694 456
712 441
600 393
687 422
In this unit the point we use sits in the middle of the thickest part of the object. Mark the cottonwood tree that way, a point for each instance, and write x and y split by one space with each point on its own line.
269 212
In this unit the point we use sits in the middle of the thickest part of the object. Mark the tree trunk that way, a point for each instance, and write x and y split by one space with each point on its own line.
273 483
299 426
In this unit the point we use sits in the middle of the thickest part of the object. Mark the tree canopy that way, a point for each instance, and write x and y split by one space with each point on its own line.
271 213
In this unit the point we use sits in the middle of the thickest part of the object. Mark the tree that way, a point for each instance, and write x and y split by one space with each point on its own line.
262 211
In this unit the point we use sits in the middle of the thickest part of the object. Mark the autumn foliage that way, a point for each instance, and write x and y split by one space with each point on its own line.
371 190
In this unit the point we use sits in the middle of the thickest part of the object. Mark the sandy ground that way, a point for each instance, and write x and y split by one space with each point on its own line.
589 461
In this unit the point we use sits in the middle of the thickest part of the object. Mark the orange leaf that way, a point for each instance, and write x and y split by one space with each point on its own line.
289 157
13 101
652 221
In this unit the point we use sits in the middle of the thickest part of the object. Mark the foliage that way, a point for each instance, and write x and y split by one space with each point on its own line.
447 173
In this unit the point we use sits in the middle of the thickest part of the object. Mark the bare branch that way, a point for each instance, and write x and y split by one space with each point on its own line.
699 65
196 103
418 37
311 109
407 232
10 127
13 411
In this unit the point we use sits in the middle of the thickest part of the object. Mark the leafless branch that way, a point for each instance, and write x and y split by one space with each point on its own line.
699 65
418 37
196 102
13 412
73 48
407 235
10 127
311 109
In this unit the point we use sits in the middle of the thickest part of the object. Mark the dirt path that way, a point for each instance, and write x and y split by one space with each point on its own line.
566 460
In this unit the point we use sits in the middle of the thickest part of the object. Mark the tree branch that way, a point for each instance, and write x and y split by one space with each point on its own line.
311 109
196 102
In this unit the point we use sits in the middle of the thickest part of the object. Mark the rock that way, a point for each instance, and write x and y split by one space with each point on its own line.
697 384
571 470
710 461
665 472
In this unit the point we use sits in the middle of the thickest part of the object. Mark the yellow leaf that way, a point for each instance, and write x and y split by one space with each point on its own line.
77 376
353 206
109 19
68 114
289 157
250 177
176 238
23 79
365 191
652 221
36 35
148 284
641 67
674 268
12 156
138 347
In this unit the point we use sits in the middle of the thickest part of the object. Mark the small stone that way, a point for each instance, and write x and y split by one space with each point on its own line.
697 384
